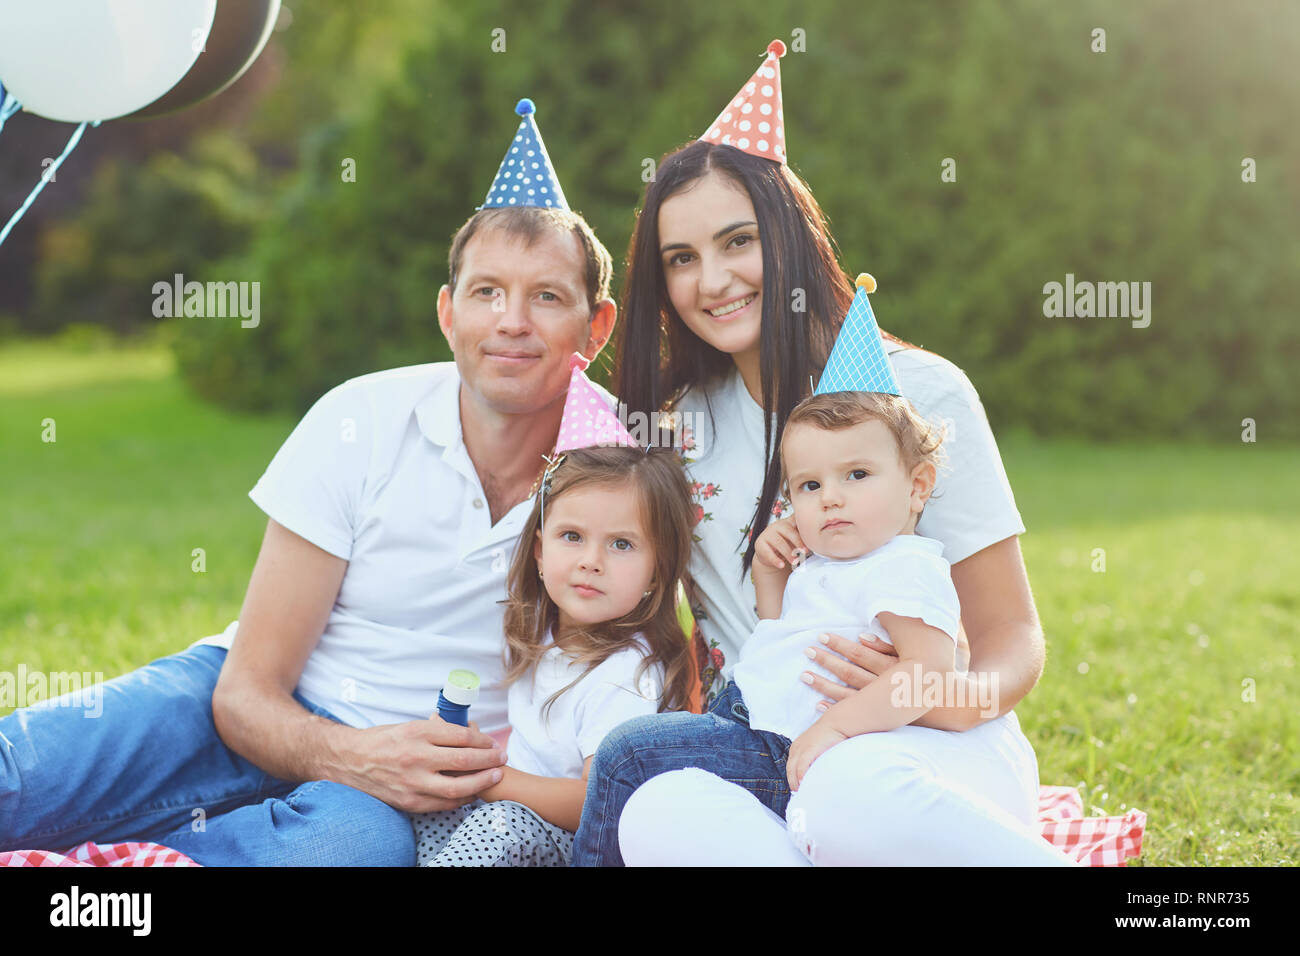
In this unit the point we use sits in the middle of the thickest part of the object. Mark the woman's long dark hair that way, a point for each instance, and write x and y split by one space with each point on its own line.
800 269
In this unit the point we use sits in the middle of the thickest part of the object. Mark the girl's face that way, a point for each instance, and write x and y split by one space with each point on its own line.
713 263
595 557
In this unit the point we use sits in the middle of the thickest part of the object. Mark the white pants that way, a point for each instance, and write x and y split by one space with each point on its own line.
906 797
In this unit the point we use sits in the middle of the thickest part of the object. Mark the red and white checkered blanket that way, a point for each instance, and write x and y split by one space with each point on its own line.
1096 841
100 854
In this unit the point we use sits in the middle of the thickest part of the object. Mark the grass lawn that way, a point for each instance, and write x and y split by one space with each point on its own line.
1171 682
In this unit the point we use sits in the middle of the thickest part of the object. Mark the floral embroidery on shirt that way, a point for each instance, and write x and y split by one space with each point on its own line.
711 674
700 491
709 658
779 507
703 492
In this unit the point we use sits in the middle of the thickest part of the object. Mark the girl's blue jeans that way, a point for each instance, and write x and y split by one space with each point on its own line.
151 767
720 741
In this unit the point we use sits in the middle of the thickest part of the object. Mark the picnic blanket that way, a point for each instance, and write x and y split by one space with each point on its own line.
1095 841
100 854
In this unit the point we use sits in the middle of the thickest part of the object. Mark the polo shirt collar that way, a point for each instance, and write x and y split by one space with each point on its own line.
438 417
438 413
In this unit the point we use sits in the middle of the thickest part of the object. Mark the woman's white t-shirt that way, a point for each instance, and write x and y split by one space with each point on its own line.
558 743
972 506
907 575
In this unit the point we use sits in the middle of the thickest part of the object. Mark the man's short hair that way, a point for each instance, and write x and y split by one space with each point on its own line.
528 224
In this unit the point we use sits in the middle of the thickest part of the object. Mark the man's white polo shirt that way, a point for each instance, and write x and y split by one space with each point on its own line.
377 473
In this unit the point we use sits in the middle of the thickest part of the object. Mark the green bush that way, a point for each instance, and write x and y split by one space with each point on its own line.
139 226
1114 166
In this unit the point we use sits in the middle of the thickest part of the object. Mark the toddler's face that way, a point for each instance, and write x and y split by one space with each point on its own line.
596 559
849 490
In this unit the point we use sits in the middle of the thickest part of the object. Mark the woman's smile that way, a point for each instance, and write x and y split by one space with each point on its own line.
732 308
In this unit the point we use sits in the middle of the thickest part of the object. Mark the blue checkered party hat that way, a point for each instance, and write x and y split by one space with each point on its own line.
526 177
858 362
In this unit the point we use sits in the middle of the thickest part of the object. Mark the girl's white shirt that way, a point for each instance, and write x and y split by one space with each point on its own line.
557 744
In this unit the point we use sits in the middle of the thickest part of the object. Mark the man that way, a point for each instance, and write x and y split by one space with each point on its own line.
394 509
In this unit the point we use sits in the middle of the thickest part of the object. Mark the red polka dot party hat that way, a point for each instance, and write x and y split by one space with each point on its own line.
753 121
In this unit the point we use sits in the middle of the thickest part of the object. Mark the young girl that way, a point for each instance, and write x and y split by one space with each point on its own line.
731 304
592 640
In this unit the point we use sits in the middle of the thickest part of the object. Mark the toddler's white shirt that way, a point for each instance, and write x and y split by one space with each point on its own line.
907 576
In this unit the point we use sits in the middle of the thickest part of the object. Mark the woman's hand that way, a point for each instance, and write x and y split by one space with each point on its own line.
807 747
855 663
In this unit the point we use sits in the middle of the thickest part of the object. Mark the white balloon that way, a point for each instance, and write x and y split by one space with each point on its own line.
78 60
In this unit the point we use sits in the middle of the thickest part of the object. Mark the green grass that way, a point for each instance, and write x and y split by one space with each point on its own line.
1141 704
100 525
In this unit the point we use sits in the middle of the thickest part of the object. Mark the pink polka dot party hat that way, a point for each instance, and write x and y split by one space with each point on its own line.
587 418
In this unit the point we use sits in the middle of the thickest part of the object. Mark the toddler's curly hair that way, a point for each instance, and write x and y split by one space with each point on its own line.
917 440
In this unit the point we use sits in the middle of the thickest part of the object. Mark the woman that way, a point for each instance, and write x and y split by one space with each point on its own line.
734 283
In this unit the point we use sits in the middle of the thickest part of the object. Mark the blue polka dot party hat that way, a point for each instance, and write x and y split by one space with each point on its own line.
526 177
858 362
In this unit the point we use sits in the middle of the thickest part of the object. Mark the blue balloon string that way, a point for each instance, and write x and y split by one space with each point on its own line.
5 113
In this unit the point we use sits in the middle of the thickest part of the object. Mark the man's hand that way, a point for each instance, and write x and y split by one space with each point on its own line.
807 747
410 765
293 588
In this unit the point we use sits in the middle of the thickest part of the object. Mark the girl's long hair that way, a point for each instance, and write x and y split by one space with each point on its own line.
800 268
657 479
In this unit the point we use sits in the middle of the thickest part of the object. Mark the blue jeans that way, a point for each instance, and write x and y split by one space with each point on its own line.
150 766
720 741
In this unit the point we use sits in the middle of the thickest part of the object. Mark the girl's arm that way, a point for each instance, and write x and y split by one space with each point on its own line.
1001 623
557 800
